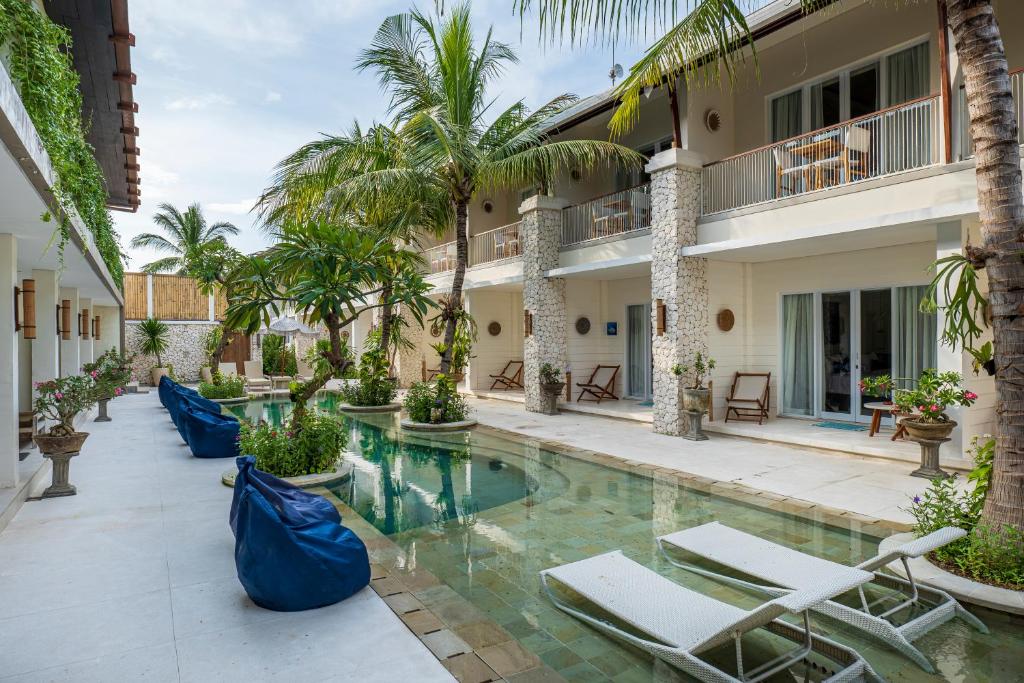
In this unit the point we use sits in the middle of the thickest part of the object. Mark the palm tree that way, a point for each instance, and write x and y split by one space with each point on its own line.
438 78
706 43
187 236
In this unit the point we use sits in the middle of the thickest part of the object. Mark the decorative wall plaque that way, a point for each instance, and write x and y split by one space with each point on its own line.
583 325
726 320
494 328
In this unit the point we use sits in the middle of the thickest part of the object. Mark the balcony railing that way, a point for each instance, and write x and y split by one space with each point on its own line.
441 258
1016 88
612 214
495 245
893 140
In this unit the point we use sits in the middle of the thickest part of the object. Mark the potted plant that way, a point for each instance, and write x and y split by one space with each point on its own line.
110 374
696 397
935 392
551 387
879 386
59 401
153 343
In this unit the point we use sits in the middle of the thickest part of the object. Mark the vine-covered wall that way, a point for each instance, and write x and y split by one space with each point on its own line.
37 55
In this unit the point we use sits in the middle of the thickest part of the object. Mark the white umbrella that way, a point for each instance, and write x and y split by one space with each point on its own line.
290 324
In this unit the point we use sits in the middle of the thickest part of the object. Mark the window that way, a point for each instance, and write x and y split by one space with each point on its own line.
625 179
787 120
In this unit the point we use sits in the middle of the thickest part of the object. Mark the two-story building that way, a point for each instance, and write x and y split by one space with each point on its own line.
791 232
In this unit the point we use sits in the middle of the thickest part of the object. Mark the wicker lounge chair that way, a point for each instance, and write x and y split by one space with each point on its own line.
601 384
748 398
510 377
791 570
255 381
678 624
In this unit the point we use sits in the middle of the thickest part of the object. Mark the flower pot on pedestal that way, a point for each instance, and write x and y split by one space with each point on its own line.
549 393
60 449
102 416
695 405
930 436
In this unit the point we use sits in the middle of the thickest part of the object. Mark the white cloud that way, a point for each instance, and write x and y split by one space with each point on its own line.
272 96
193 102
240 208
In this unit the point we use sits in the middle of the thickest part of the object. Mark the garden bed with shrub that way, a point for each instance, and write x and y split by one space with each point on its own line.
435 404
223 387
313 445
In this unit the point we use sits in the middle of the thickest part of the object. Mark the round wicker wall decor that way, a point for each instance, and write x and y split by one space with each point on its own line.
726 320
494 328
583 325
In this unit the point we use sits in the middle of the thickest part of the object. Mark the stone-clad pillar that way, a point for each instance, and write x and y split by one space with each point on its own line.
681 283
410 360
541 237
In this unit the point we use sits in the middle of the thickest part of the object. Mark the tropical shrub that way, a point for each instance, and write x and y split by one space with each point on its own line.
153 339
374 387
60 400
278 359
211 342
934 393
110 373
312 446
549 374
222 387
702 367
437 401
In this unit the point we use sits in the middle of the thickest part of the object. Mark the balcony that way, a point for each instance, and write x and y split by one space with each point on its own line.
1016 88
495 245
612 214
897 139
441 259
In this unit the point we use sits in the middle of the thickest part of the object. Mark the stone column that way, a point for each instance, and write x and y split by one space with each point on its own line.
541 237
949 240
45 347
9 343
86 353
680 283
410 361
71 348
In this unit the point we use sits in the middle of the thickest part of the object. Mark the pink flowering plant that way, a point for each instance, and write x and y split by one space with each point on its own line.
879 386
60 400
110 373
935 392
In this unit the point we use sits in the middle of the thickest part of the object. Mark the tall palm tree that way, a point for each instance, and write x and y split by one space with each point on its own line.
705 43
437 78
186 236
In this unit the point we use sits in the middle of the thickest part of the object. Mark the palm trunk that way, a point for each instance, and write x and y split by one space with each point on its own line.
461 262
1001 210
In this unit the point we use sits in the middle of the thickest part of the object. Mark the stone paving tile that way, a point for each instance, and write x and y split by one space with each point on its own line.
422 622
403 602
468 668
481 634
387 586
445 644
508 658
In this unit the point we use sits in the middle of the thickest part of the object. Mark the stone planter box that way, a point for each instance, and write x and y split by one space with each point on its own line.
386 408
307 481
963 589
230 401
440 427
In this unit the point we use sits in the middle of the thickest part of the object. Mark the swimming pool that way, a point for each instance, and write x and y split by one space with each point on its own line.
484 513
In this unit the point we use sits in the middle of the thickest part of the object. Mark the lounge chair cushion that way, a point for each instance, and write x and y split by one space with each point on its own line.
289 559
208 435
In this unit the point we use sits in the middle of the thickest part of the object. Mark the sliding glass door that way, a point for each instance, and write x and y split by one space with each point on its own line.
836 384
639 362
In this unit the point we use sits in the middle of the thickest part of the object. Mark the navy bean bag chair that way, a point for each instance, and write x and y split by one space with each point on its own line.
291 552
163 390
208 435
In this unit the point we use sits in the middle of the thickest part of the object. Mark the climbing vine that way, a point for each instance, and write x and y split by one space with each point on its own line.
39 61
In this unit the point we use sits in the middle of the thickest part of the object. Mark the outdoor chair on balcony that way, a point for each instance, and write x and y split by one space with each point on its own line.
904 612
683 627
510 377
748 398
255 381
228 369
788 173
601 384
852 162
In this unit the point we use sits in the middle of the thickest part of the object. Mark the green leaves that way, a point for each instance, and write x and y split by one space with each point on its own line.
957 279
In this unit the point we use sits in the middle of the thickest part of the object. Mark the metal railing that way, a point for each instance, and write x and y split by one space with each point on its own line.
495 245
441 258
964 117
892 140
611 214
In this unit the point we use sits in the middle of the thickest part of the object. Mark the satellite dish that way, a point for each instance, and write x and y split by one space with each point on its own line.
615 72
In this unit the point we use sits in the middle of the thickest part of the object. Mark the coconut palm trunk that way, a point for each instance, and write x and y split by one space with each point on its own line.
1001 210
461 262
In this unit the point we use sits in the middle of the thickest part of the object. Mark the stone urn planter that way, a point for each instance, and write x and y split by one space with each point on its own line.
156 373
695 405
930 436
549 393
102 410
60 449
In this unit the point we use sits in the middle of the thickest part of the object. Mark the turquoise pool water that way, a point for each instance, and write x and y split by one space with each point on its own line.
484 513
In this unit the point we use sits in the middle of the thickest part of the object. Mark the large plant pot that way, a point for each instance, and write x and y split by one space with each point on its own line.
156 373
549 393
60 450
928 431
52 444
696 400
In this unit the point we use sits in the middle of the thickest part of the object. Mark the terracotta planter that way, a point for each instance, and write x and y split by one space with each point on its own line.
928 431
156 373
51 444
696 400
549 393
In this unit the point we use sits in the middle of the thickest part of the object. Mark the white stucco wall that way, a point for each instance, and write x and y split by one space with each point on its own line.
491 353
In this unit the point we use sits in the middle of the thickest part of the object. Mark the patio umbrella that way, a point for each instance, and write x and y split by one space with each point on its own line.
291 325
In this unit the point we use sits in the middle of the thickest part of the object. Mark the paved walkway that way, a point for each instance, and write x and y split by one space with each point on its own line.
134 579
868 486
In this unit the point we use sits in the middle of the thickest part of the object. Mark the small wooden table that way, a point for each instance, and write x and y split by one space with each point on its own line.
817 151
877 408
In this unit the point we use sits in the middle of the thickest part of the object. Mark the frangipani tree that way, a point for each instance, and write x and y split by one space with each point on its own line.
327 273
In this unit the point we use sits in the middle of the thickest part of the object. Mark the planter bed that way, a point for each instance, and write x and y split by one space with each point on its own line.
230 401
441 427
307 481
386 408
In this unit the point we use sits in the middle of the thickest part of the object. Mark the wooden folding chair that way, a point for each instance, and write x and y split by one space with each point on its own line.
598 389
509 381
748 398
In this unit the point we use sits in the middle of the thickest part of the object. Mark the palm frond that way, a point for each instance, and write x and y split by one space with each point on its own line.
543 162
148 240
164 265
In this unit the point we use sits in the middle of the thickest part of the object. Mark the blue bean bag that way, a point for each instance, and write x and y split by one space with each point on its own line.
290 554
208 435
192 396
164 389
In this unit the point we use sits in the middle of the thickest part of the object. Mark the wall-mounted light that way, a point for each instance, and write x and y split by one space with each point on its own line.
27 294
659 307
65 319
96 327
528 323
83 323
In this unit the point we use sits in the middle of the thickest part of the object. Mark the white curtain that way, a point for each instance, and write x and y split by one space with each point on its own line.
787 119
798 354
637 345
907 74
916 336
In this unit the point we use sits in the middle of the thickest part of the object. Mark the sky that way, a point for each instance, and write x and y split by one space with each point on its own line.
226 89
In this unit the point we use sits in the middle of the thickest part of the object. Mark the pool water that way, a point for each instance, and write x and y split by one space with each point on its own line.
485 513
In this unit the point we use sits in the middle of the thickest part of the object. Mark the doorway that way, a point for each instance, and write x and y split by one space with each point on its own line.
237 351
639 361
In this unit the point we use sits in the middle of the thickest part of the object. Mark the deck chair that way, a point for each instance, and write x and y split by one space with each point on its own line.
510 377
228 369
255 381
677 624
601 384
748 398
303 373
791 570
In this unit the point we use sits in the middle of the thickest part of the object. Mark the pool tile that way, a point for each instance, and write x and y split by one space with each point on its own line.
469 668
508 658
422 622
403 602
445 644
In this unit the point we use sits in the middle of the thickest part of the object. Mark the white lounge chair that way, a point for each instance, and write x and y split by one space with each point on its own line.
303 373
678 624
228 369
255 381
791 570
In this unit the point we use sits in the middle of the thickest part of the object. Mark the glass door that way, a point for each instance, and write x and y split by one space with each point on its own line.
837 388
874 343
639 362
